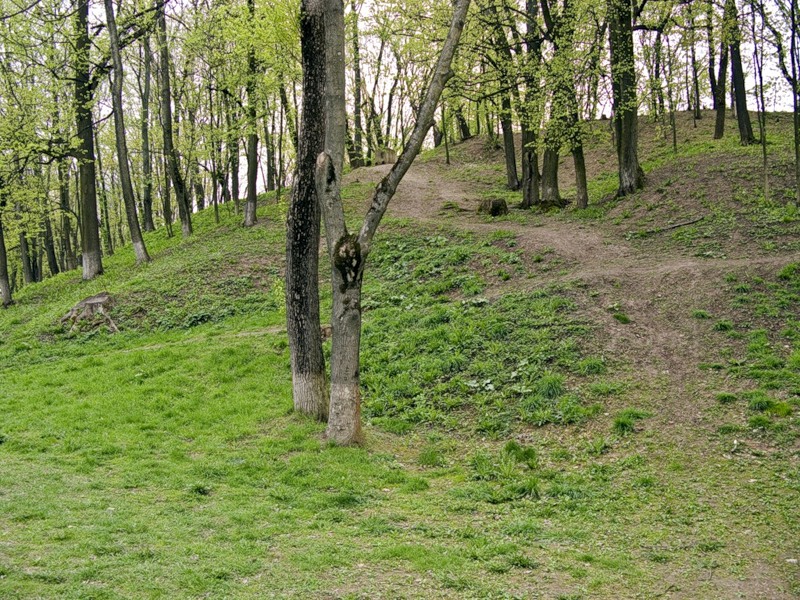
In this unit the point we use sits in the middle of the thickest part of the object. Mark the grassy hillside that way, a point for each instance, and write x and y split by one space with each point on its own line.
570 405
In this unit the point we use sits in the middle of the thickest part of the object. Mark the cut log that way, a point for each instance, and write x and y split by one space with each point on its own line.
493 206
91 313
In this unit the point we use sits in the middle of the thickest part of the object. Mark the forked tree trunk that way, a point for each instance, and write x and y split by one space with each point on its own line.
90 234
139 248
49 245
348 252
309 385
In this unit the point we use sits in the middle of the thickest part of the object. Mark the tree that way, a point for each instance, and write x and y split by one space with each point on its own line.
348 252
731 20
170 152
5 286
309 385
623 85
785 20
252 135
139 248
84 98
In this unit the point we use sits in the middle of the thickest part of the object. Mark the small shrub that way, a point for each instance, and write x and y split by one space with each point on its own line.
723 325
759 422
591 366
622 318
550 386
431 457
726 398
780 409
701 314
759 401
626 420
598 446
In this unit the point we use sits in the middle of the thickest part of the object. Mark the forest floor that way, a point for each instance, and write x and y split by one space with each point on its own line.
570 405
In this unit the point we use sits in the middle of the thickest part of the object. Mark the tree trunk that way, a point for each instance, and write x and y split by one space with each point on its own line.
719 92
70 260
49 245
147 163
530 169
551 197
84 92
348 252
105 224
746 136
623 84
309 385
139 248
25 256
5 286
357 159
530 157
170 152
250 217
581 187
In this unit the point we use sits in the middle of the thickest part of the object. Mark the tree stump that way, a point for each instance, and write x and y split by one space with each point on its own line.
493 206
90 314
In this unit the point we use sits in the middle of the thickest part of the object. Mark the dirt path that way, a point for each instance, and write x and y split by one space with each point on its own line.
662 347
657 289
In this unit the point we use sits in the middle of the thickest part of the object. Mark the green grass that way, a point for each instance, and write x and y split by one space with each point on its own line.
500 460
769 360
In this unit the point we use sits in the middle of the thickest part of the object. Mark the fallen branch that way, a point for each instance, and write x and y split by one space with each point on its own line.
675 226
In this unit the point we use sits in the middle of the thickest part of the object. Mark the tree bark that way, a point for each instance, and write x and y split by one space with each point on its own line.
170 152
25 255
139 247
623 84
309 385
84 93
